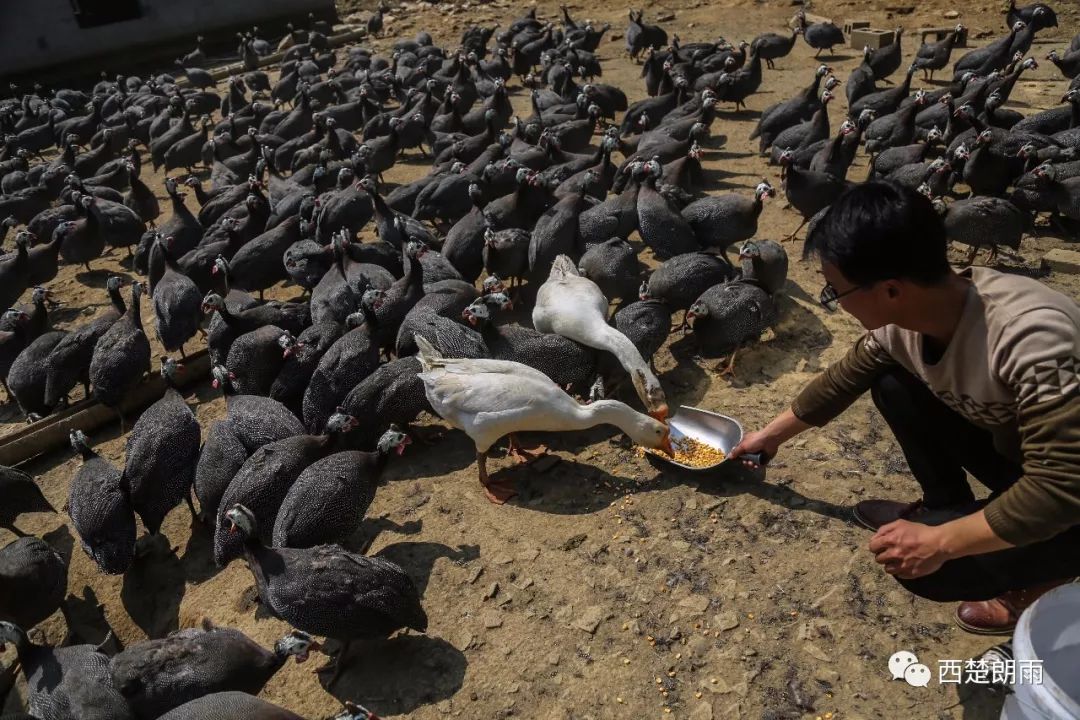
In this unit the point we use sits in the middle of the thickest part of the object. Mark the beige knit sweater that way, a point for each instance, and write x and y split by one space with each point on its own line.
1012 368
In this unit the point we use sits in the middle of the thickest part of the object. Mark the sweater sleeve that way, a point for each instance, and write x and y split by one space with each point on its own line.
1040 362
834 390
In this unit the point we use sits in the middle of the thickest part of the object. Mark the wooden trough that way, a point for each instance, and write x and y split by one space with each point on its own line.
88 415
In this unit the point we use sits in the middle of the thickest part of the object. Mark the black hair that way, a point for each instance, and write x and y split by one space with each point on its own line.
881 231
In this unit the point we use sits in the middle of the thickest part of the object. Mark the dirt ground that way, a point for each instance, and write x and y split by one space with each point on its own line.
611 588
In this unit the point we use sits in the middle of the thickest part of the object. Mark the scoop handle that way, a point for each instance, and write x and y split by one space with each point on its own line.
759 458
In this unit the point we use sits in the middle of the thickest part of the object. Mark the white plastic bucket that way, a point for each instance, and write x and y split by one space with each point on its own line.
1049 631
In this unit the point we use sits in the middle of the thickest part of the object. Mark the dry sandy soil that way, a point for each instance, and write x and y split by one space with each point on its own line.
611 588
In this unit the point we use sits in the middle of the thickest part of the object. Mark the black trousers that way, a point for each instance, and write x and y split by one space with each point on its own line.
942 447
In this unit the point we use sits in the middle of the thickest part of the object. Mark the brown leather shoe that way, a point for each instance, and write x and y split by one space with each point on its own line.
873 514
999 616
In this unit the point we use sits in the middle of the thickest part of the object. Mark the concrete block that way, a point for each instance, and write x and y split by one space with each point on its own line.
1060 260
876 39
855 25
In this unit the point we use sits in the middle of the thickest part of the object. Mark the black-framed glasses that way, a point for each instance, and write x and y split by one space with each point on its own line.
830 299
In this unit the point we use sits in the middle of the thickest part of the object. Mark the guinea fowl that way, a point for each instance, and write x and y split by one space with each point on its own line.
661 226
808 191
804 134
894 157
158 675
391 307
613 266
327 590
896 129
392 395
176 301
257 265
988 170
990 57
728 316
229 705
15 275
933 56
719 221
641 36
886 60
506 253
646 323
254 358
330 497
574 307
162 451
980 221
777 118
764 262
250 422
1069 64
351 358
266 476
100 510
884 102
182 226
69 362
69 683
678 282
771 46
554 233
33 581
1040 15
20 495
820 35
27 377
121 356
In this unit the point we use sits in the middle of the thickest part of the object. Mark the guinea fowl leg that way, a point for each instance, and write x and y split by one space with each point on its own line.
521 454
729 367
791 237
972 254
497 491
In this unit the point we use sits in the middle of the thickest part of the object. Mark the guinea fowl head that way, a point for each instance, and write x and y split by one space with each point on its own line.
393 441
353 711
212 302
492 284
643 291
222 378
1046 170
749 249
920 98
1052 56
1019 25
372 299
1071 96
847 127
11 633
822 70
137 291
40 295
498 299
934 135
985 137
832 82
24 238
170 369
78 441
1030 64
476 313
298 644
699 309
763 189
961 152
340 422
241 520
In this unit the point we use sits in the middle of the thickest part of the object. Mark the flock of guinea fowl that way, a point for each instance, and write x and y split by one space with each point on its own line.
533 211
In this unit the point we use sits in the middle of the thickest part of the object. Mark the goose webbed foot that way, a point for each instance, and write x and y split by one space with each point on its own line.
524 455
497 491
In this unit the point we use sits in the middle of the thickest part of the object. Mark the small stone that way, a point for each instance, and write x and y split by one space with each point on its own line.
464 641
528 555
492 591
589 619
492 621
815 652
951 14
827 675
726 620
615 36
695 603
552 658
665 17
475 574
680 545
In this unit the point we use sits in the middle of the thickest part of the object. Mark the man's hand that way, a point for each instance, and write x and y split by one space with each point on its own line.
909 550
768 440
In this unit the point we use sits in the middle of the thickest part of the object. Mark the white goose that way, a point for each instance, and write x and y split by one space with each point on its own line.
573 306
488 399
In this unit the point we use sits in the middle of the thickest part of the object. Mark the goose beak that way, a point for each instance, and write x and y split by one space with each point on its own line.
660 413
